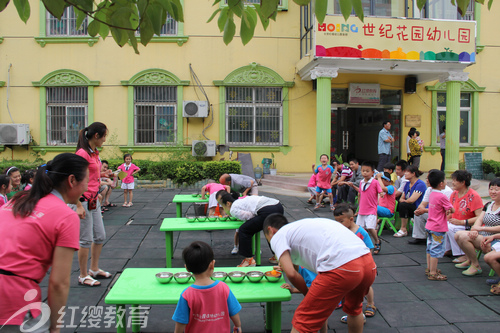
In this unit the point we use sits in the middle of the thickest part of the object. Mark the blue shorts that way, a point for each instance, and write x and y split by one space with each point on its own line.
435 243
319 190
383 212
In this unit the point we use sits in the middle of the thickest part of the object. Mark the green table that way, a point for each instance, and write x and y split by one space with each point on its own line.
138 286
186 198
169 225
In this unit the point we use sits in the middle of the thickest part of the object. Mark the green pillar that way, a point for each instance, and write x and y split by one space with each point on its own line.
323 76
452 126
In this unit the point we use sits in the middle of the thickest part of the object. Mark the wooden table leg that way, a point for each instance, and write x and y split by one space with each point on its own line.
169 246
121 319
178 209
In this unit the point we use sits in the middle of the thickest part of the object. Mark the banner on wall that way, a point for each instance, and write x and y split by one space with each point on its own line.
364 93
396 38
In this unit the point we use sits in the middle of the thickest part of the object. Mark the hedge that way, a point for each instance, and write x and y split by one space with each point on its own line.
179 172
491 166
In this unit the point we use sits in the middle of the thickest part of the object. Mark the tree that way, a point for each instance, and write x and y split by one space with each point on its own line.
123 18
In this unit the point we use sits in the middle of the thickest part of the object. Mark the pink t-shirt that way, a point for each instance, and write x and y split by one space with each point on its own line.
26 250
438 205
3 200
94 172
324 176
312 181
214 187
389 199
131 168
27 187
466 205
368 196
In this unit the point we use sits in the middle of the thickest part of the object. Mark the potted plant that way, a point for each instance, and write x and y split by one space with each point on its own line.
272 170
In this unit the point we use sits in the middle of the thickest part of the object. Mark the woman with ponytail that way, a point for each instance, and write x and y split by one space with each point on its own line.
92 233
40 232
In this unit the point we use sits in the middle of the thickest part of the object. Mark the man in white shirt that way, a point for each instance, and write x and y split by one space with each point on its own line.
422 213
327 247
399 185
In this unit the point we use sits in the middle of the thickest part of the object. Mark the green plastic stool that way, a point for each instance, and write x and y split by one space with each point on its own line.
388 220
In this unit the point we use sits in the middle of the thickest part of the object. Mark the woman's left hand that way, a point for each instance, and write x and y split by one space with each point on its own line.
473 235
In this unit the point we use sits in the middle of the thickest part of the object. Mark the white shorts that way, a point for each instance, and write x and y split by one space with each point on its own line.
367 221
312 190
496 247
128 186
212 201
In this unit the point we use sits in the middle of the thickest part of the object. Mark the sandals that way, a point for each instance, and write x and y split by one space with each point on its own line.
458 260
401 233
468 271
110 205
343 319
376 250
125 205
437 277
495 289
310 202
100 274
370 310
92 282
463 265
316 207
493 281
427 271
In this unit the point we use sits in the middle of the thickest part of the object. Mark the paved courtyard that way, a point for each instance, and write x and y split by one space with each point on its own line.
406 300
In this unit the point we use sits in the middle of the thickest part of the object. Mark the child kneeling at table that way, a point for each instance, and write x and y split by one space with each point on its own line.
212 188
205 297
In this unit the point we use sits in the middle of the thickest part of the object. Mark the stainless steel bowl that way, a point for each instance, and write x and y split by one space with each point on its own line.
164 277
255 276
222 218
272 278
221 276
236 276
232 218
212 219
201 218
182 277
194 195
190 218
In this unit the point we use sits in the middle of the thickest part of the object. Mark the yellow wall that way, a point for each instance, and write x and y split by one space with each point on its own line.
277 48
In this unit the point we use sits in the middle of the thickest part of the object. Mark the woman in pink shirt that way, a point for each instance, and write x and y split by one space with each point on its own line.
92 233
40 232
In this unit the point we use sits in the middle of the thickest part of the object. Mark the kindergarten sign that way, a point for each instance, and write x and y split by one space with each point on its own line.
396 38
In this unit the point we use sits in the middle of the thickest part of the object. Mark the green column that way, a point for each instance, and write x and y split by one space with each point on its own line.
452 126
323 116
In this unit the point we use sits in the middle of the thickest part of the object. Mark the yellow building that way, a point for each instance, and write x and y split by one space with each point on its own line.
291 91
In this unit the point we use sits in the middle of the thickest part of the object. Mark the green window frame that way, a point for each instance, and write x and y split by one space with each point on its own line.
62 78
282 6
254 75
150 78
468 88
45 38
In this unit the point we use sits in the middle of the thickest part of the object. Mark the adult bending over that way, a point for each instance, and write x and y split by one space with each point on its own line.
468 206
253 210
487 224
411 198
40 232
92 233
344 263
240 183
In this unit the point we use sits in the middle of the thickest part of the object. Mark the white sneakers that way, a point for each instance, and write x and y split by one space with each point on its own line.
234 251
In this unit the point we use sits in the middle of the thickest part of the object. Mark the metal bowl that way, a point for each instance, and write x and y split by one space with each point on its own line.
232 218
236 276
201 218
212 219
272 278
190 218
194 195
164 277
221 276
255 276
222 218
182 277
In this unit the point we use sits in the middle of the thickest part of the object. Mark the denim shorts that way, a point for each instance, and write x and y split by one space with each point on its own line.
436 243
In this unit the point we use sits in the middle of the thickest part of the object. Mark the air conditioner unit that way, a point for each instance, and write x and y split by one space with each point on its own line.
15 134
204 148
195 109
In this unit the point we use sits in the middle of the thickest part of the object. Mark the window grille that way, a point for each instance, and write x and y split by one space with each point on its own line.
168 29
66 114
66 26
155 114
465 115
254 116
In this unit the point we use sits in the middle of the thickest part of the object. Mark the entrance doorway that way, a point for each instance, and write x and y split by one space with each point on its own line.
355 132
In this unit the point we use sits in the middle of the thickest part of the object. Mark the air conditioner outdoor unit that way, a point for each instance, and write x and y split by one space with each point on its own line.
15 134
195 109
204 148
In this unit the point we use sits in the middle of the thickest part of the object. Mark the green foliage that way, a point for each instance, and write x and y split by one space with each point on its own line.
491 166
215 169
124 17
22 165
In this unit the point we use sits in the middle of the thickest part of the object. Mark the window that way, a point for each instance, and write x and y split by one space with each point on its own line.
168 29
155 114
254 116
465 115
385 8
66 114
445 10
66 107
66 26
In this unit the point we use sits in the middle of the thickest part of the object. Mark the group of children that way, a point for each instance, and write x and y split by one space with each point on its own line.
11 182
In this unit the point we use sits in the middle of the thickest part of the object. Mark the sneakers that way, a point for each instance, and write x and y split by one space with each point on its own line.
248 262
234 251
343 319
273 260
